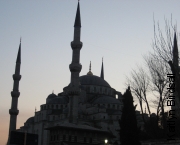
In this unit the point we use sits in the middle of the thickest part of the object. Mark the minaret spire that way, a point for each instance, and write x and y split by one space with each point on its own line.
90 73
176 71
77 22
102 70
15 94
175 53
75 68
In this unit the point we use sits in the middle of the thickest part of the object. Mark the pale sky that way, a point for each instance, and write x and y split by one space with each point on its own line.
119 31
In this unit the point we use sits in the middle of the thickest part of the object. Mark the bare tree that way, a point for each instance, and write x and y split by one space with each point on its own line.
166 48
158 70
139 83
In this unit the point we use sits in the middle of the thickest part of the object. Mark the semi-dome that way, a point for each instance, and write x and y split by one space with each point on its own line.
106 100
93 80
30 120
58 100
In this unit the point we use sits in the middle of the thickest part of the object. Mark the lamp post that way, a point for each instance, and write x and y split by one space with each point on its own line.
106 141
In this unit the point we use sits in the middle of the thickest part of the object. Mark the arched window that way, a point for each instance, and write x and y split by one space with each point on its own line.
70 138
84 139
75 139
113 106
64 137
117 106
56 106
104 117
108 105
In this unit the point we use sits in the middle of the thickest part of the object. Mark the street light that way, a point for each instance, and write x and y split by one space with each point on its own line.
106 141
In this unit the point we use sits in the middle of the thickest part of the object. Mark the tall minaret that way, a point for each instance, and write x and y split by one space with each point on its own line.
176 70
102 70
75 68
15 94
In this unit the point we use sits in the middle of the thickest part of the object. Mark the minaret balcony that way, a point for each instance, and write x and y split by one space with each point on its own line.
16 77
13 111
15 93
75 67
76 45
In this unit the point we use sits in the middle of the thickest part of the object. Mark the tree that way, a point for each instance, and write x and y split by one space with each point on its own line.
166 48
128 123
158 70
139 82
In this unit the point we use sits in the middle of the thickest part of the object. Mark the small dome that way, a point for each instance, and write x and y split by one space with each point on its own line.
106 100
30 120
93 80
58 100
50 97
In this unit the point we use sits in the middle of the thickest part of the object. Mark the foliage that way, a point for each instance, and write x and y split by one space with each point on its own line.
128 123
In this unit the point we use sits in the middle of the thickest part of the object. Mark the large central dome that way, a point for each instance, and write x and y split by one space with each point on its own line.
93 80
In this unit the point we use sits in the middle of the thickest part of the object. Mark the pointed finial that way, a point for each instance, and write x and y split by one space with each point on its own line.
35 109
90 66
18 60
52 91
77 22
102 70
90 73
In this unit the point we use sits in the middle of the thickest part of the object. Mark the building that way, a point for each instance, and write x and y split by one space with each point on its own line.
87 109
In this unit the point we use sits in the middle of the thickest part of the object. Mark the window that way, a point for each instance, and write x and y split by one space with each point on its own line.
104 117
113 106
100 90
90 140
64 137
70 138
75 139
56 106
84 139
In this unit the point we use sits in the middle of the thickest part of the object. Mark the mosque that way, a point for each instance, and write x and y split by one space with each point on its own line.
86 112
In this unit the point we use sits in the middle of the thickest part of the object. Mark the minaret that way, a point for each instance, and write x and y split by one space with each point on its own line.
75 68
102 70
175 54
15 94
176 69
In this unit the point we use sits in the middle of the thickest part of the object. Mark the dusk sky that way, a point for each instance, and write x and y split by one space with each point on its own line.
119 31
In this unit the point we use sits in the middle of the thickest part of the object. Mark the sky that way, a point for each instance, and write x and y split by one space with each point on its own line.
119 31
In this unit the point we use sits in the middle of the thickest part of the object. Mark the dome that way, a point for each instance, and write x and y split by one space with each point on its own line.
51 96
58 100
30 120
106 100
93 80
